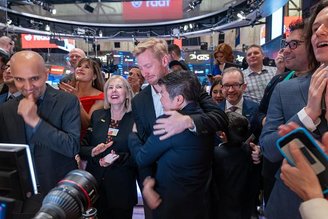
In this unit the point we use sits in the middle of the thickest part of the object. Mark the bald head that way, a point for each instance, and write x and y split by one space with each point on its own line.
29 72
75 55
7 44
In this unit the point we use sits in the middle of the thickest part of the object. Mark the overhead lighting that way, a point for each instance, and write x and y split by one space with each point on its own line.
88 8
9 21
100 33
47 27
241 15
193 4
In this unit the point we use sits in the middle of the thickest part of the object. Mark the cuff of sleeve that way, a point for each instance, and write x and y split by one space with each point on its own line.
37 126
307 121
194 127
314 208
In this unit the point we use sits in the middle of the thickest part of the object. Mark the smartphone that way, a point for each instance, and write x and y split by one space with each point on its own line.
250 139
311 151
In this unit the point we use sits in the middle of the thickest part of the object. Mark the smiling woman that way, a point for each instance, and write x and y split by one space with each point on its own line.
88 88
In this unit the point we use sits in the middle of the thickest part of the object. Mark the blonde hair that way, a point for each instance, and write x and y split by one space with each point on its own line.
157 46
128 90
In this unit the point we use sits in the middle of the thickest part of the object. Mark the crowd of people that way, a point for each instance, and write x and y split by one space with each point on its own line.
193 154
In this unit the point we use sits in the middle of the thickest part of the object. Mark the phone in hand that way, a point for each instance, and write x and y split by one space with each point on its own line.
311 151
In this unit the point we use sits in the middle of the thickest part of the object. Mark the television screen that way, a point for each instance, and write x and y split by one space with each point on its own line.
17 175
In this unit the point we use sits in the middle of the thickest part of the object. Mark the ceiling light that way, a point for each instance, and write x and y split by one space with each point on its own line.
47 27
88 8
241 15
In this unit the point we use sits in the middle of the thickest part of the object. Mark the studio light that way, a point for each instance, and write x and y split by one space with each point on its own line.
47 27
193 4
100 33
241 15
88 8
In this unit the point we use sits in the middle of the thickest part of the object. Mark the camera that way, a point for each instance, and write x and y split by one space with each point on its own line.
71 198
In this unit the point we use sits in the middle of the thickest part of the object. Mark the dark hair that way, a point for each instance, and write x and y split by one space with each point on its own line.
183 83
175 62
233 69
174 48
216 82
99 81
238 128
297 24
313 63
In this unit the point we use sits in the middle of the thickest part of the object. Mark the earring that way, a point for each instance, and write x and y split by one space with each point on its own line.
93 83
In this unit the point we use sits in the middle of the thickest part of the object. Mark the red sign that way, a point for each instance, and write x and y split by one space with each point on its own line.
56 70
152 10
30 41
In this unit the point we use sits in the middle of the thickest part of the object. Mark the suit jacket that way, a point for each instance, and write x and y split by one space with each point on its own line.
250 111
117 182
183 169
210 120
231 177
3 97
288 98
55 140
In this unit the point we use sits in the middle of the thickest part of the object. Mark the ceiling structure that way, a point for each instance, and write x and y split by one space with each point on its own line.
117 19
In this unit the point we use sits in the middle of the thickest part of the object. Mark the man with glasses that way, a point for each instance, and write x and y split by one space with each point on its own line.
257 76
288 102
233 88
294 57
8 80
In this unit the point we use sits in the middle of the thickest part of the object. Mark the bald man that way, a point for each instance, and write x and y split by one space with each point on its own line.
46 119
75 55
7 44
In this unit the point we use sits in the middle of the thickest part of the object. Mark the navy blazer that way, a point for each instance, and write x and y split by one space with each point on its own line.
250 111
287 99
183 169
56 140
117 182
3 97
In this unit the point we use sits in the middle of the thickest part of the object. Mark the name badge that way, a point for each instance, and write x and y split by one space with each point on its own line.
112 132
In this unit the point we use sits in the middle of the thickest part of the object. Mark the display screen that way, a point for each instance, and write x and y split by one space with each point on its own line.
152 10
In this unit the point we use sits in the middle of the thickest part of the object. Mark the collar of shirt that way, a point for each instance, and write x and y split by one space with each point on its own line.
157 102
248 71
239 105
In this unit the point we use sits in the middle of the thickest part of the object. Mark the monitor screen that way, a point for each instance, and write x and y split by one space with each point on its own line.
17 175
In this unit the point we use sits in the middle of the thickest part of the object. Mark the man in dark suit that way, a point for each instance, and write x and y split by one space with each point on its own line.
233 87
183 160
46 119
9 81
153 60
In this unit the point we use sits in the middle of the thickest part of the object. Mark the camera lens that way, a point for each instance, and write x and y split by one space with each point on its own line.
72 196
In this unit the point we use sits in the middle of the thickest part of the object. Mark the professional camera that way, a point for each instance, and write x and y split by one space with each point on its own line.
72 197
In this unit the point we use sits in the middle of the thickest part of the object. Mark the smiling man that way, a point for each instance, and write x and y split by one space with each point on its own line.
46 119
233 88
257 76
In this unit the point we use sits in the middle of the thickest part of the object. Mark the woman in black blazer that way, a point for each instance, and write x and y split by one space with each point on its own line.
107 139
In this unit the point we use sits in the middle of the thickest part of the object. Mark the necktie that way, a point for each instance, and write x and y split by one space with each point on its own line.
10 97
233 108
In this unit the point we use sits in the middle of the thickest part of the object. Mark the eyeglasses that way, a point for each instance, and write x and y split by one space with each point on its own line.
4 67
293 44
234 86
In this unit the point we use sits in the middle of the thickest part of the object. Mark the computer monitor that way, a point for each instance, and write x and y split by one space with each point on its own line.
17 175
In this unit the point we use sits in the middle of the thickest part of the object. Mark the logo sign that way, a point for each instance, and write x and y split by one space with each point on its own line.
199 57
30 41
152 10
136 4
